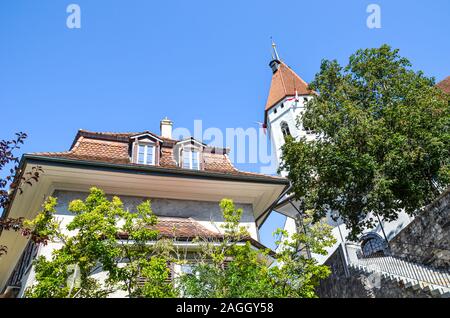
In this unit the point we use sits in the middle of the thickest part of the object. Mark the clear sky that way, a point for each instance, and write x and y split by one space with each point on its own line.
134 62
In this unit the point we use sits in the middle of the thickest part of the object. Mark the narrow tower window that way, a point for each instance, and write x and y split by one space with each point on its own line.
285 129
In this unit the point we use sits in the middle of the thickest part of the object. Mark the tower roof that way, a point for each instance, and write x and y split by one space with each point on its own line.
285 82
444 85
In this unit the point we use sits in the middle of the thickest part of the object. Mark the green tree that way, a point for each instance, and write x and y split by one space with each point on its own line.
231 268
104 237
383 142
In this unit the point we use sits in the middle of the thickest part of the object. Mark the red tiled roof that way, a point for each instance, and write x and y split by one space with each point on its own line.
181 229
188 229
284 83
114 148
444 85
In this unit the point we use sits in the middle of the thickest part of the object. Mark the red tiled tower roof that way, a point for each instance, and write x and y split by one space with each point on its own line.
285 82
444 85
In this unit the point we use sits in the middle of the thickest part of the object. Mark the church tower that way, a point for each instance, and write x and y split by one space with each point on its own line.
285 104
287 98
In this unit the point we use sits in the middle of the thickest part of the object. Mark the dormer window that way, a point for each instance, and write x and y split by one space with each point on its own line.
188 154
146 153
190 158
145 149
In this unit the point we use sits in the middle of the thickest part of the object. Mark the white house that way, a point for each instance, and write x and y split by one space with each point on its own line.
184 179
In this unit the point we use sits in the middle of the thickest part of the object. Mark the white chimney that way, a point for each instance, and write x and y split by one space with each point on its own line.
166 128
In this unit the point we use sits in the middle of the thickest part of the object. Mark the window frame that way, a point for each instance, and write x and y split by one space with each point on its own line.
285 127
191 151
146 146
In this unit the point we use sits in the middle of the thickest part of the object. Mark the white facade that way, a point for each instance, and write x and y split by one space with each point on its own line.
179 193
208 214
286 111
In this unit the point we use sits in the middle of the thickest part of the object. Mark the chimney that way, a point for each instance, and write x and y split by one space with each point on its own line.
166 128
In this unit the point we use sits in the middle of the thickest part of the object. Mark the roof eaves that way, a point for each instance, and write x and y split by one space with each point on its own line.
156 170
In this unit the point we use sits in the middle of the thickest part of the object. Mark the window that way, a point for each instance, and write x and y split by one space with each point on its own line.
282 105
146 154
191 159
285 129
309 131
275 110
23 265
372 244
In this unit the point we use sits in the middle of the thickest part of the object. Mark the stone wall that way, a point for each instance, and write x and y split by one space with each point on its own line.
338 284
426 240
353 285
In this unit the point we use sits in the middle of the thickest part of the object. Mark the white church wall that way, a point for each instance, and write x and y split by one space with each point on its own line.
286 111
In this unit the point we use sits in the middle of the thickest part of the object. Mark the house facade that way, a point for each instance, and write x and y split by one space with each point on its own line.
184 179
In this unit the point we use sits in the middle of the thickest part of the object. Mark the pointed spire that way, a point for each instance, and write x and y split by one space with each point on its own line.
274 49
275 63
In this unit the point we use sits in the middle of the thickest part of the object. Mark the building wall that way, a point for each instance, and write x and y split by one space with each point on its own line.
287 111
206 213
340 232
390 229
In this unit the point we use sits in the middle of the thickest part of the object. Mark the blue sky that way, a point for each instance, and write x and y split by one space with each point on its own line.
134 62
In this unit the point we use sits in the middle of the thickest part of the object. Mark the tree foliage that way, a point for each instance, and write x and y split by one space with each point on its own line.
105 248
383 142
103 237
13 180
234 269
